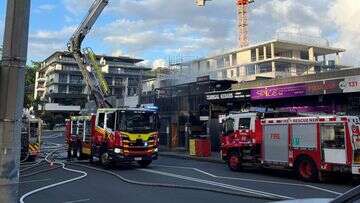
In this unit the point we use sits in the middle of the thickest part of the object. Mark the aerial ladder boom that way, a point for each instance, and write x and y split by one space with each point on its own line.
84 60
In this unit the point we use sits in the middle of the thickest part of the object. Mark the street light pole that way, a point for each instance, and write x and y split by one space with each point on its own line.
12 73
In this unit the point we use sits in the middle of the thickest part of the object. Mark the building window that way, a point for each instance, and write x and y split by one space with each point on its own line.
268 51
234 59
62 78
304 55
118 92
232 73
283 67
208 65
220 62
264 68
224 74
118 81
62 89
75 89
250 69
261 53
238 72
76 79
253 55
227 60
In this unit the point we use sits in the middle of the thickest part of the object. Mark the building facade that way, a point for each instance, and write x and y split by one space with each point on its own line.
59 80
277 58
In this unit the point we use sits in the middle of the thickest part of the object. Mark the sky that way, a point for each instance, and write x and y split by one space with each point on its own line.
157 30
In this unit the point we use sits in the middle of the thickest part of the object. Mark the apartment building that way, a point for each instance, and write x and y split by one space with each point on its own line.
276 58
59 79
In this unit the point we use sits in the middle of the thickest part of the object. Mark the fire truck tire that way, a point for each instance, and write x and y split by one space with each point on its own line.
105 160
234 161
144 163
73 150
92 153
79 154
306 169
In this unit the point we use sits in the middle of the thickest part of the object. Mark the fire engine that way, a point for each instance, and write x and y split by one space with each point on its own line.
31 132
310 145
115 135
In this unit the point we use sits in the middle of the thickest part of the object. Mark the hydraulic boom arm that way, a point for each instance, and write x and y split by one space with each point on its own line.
74 46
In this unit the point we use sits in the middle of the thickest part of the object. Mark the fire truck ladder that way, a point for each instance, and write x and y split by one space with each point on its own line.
92 79
96 71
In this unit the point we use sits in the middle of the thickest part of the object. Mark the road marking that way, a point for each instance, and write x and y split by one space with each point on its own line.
184 167
253 180
77 201
223 185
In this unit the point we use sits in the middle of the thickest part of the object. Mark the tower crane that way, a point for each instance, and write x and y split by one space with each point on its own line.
93 78
243 29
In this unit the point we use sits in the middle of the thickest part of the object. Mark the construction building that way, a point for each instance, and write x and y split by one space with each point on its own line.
59 83
281 57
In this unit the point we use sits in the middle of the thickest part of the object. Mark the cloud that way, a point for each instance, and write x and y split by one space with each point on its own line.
343 13
159 28
43 42
45 8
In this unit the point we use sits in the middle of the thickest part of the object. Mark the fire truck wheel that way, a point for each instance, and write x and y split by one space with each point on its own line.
234 162
105 160
73 151
306 170
79 154
144 163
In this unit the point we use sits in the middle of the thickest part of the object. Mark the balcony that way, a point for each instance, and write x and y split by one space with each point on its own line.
42 79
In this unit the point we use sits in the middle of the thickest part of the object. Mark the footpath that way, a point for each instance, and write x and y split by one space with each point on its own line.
182 154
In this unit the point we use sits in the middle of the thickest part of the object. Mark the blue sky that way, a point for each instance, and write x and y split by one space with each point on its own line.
157 29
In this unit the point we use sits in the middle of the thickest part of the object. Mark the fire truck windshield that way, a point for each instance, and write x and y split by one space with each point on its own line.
137 121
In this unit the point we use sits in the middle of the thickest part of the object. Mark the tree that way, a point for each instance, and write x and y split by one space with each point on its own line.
30 77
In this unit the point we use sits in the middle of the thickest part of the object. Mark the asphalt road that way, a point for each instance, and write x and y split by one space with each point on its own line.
109 186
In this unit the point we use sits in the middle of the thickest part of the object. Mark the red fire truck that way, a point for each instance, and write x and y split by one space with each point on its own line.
114 135
309 145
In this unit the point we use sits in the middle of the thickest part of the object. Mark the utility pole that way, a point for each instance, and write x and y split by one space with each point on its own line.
11 95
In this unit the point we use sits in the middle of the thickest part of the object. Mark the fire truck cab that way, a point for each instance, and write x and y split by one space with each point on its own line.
310 145
115 135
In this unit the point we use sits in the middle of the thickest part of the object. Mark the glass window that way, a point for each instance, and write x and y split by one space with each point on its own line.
137 121
62 89
228 126
244 123
101 119
76 79
264 68
234 59
333 136
75 89
250 69
62 78
110 121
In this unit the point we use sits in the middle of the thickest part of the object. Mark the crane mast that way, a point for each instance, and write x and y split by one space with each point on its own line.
92 80
243 27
